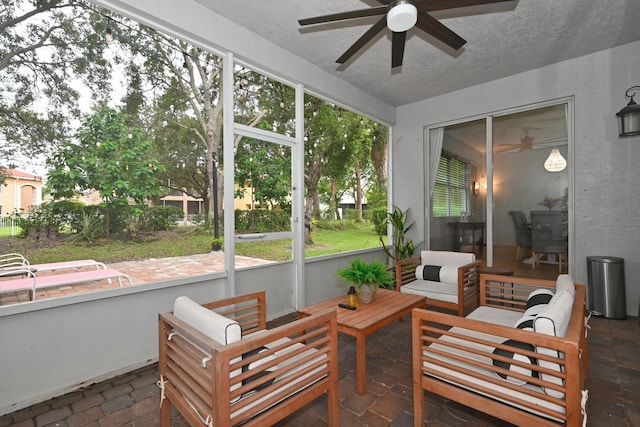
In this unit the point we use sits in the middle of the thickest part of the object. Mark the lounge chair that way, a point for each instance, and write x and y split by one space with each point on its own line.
32 282
16 261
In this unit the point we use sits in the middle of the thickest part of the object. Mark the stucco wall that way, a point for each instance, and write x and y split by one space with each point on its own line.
605 197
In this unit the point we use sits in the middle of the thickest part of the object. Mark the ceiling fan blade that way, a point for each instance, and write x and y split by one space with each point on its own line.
397 48
506 147
433 5
366 37
434 27
380 10
555 140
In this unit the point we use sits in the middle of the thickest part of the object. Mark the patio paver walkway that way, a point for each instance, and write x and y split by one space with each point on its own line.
141 271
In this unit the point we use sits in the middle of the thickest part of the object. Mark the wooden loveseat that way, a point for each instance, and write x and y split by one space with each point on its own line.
225 368
448 279
527 369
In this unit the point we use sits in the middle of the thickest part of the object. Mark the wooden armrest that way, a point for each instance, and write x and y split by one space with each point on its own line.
405 271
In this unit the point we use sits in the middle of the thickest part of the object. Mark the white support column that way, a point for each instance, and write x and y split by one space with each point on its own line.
297 192
229 161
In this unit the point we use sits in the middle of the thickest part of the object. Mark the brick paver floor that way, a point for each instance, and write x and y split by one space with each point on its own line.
133 399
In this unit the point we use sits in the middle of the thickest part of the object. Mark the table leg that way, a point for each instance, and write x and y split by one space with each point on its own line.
361 364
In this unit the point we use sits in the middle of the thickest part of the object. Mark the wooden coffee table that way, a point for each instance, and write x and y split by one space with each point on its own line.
367 318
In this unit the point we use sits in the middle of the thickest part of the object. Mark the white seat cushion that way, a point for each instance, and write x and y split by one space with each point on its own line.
435 290
491 315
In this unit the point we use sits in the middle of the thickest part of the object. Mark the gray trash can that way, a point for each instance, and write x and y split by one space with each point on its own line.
606 290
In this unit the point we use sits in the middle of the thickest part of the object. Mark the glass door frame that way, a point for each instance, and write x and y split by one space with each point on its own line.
489 203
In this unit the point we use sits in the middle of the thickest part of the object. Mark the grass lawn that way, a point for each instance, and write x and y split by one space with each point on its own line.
6 231
182 241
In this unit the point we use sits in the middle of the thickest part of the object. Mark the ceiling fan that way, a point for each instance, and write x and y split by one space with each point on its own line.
400 16
527 143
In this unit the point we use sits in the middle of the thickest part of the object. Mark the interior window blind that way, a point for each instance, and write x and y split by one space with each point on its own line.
451 191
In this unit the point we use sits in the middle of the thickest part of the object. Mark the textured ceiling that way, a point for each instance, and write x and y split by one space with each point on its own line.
502 39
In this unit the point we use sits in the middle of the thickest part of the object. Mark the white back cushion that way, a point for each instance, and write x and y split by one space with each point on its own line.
564 282
457 259
217 327
554 320
437 273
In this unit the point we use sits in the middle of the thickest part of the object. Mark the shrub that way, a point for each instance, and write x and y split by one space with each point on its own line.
378 218
262 220
159 217
350 214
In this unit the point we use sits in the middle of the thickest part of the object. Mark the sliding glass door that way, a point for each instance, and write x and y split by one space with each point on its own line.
492 173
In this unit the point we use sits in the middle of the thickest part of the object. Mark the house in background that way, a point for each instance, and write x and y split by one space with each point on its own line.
20 191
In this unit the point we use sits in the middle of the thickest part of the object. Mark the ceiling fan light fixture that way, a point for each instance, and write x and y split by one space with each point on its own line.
555 162
402 16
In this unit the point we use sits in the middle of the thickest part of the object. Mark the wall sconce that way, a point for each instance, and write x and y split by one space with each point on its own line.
555 162
629 116
475 188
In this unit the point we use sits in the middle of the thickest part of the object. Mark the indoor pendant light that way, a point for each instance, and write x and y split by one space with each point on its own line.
555 162
402 16
629 116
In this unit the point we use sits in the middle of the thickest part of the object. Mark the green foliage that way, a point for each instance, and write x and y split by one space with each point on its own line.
350 215
263 170
217 244
159 217
88 229
50 217
379 220
360 273
262 220
403 247
109 157
376 194
46 48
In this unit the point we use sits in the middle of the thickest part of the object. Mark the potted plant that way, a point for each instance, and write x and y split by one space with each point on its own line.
403 247
216 244
366 277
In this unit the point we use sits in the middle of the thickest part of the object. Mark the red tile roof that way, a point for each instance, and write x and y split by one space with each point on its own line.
14 173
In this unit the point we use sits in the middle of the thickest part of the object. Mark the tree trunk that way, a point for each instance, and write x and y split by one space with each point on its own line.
358 190
308 209
334 199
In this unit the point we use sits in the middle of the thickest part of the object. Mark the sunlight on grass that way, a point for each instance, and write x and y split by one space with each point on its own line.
180 242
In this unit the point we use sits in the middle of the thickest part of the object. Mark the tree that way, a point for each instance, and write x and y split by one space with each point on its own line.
109 157
45 47
266 168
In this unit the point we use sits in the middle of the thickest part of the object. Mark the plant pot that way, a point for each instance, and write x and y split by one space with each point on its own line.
366 295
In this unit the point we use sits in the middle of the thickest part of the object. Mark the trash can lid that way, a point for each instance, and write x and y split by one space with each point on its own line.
605 259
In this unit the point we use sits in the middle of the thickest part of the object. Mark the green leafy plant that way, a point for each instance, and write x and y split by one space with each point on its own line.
216 244
359 273
403 248
89 229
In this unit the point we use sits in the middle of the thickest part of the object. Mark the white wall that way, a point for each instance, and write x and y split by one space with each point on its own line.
520 182
606 200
